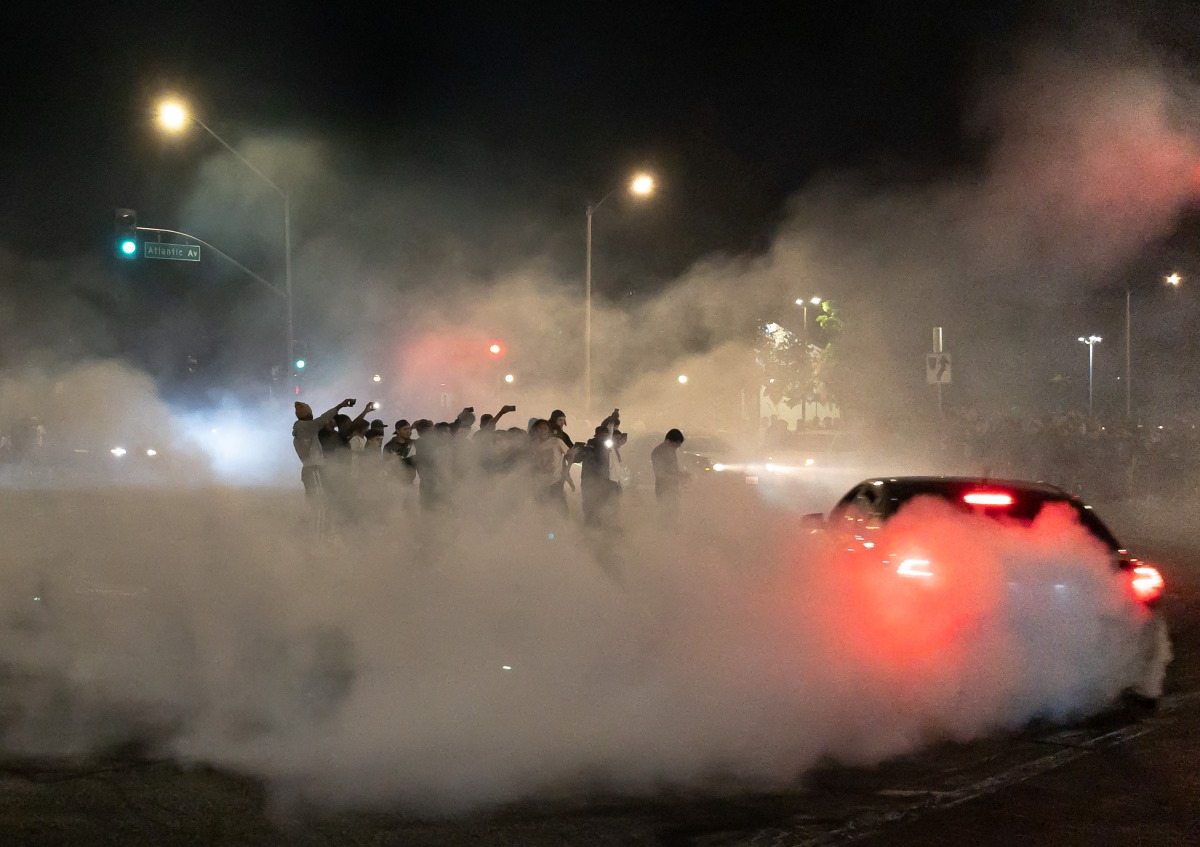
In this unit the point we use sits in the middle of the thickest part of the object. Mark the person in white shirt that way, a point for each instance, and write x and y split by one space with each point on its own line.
548 466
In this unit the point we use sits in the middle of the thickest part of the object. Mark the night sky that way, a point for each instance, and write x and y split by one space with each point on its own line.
523 112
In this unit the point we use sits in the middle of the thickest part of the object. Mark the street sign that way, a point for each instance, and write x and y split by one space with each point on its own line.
169 250
937 368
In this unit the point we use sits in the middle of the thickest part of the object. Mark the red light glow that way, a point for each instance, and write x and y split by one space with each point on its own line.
988 498
1147 583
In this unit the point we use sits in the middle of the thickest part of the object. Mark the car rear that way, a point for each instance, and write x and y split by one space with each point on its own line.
932 577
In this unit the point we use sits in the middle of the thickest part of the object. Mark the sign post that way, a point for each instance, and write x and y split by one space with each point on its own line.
938 367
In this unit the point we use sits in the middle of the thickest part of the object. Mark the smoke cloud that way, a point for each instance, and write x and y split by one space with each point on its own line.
483 655
491 653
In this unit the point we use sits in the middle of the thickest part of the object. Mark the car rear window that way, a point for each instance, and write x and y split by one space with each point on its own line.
1027 503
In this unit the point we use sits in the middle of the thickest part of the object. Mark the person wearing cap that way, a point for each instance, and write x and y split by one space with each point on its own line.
402 448
307 444
667 476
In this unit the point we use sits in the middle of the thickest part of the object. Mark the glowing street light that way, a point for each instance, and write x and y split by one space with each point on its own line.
683 379
800 301
174 116
1091 341
377 378
1173 280
508 378
641 185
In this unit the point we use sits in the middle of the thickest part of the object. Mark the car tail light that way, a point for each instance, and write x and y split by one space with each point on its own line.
988 498
1147 583
918 568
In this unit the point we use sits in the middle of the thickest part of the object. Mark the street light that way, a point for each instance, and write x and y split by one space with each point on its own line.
1091 341
683 379
641 185
800 301
174 116
1172 280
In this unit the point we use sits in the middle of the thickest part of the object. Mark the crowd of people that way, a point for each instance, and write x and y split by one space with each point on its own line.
346 460
1097 458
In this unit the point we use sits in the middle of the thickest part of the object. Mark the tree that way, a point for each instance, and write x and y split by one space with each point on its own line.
794 372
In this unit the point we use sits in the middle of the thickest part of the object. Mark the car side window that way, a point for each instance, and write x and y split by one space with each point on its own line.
860 506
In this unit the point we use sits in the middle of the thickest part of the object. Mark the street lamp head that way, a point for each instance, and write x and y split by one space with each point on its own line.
1174 280
1091 339
642 185
683 379
816 301
172 115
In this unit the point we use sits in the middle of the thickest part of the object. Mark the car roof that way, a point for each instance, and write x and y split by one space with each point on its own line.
949 482
951 486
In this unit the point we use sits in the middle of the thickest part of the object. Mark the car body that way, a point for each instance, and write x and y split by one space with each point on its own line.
912 584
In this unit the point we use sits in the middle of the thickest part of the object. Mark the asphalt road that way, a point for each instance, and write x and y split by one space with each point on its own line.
1118 779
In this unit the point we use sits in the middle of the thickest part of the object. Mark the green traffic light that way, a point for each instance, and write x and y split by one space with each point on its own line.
300 363
127 247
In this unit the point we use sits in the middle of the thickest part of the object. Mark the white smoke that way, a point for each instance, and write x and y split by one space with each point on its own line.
490 652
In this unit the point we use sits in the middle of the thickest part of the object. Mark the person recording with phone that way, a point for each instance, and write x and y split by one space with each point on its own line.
306 441
602 471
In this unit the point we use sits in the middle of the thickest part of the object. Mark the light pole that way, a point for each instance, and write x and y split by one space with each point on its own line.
1172 280
800 301
173 116
1091 341
642 185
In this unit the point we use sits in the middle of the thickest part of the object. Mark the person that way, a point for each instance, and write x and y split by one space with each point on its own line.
357 443
602 471
402 448
558 427
667 476
306 442
548 467
488 423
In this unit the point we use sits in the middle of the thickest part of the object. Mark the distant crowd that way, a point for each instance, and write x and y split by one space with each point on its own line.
1098 459
344 458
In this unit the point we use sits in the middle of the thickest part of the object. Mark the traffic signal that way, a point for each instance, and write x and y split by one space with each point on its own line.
126 243
301 364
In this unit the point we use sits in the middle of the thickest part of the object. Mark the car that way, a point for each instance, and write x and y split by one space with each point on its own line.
926 584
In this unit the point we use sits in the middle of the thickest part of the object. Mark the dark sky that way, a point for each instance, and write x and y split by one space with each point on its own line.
521 113
568 94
